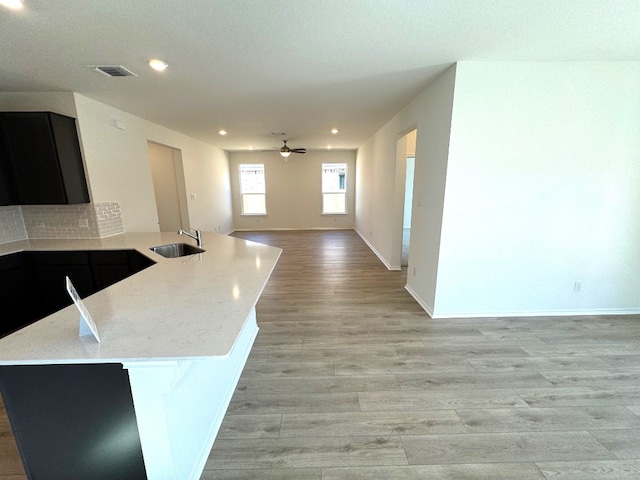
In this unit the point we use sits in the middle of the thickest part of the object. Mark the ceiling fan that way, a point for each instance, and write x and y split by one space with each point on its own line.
285 151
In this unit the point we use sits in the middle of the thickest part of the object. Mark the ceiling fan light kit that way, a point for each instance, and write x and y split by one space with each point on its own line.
285 151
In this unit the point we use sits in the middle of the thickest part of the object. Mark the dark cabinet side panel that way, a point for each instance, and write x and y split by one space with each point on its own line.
70 159
73 422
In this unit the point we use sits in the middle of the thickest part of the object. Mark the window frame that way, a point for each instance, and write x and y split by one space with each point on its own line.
334 191
263 194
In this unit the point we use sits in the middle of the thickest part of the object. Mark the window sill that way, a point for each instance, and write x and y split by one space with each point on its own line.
254 215
333 214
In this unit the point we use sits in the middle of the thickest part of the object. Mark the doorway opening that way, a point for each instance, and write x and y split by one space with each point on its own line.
409 159
169 187
408 203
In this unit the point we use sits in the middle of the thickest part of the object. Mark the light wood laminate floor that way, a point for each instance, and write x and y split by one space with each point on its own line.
350 379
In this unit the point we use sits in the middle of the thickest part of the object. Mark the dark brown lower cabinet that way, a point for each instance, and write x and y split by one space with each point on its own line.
33 283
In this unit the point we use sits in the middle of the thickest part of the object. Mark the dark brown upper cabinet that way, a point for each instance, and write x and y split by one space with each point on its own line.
40 160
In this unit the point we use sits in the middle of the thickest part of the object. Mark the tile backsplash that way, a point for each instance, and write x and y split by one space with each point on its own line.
94 220
12 226
108 219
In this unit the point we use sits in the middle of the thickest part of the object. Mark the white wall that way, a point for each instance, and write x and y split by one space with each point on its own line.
118 167
293 190
543 190
411 143
379 209
57 102
541 165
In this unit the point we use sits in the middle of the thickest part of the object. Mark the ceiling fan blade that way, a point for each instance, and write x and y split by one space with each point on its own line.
299 150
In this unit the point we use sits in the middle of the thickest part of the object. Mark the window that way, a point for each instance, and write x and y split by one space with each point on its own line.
252 189
334 188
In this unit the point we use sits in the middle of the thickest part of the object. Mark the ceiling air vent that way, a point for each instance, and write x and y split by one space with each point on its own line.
112 70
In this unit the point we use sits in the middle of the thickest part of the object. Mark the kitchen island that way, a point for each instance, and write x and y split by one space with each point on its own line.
152 393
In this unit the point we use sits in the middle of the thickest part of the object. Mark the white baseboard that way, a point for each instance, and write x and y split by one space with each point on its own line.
542 313
417 298
287 229
536 313
373 249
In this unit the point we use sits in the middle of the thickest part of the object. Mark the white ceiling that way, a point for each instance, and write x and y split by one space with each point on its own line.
296 66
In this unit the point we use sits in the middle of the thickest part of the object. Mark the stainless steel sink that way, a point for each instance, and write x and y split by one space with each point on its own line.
173 250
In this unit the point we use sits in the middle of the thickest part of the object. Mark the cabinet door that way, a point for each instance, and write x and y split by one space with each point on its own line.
105 275
6 196
7 192
14 293
50 285
138 261
49 272
38 179
109 267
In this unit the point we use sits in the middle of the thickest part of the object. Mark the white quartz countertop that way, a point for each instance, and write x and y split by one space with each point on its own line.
192 306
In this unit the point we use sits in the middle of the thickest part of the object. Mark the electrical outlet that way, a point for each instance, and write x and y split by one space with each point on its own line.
577 286
194 196
83 223
414 271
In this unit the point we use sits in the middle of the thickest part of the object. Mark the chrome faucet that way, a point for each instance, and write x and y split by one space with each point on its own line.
197 237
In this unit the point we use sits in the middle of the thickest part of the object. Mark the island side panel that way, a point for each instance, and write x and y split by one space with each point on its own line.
73 421
180 406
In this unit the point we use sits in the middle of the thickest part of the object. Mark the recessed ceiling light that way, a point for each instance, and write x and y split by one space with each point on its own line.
334 130
158 65
12 4
222 132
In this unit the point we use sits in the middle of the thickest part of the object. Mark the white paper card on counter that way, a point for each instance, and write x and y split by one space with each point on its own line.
87 325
